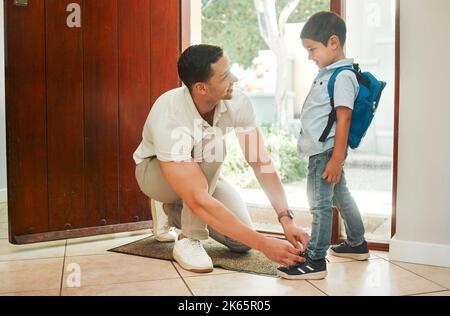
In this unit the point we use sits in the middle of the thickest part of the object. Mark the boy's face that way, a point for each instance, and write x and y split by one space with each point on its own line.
322 55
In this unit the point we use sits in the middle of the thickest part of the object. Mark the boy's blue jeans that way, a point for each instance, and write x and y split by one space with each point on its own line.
321 196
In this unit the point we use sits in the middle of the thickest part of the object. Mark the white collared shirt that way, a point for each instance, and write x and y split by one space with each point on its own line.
175 131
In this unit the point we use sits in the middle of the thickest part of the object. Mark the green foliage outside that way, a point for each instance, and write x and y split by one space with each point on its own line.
282 148
233 25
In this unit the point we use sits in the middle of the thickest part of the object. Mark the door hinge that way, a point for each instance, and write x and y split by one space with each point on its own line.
21 3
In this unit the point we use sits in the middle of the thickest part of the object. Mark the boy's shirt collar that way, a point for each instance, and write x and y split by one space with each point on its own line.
340 63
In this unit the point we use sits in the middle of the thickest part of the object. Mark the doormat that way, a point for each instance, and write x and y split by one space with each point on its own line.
251 262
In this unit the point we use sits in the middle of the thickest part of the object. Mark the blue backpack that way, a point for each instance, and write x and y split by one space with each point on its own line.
366 104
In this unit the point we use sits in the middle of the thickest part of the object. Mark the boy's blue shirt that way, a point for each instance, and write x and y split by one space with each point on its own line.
317 107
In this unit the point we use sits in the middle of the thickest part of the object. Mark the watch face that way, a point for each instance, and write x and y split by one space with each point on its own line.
290 213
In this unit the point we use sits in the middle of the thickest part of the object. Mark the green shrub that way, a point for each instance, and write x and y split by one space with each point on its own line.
282 148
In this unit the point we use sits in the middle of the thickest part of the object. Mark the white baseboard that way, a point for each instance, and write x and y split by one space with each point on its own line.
3 195
419 253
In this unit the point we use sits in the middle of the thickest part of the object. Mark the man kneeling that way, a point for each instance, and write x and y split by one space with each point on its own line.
180 158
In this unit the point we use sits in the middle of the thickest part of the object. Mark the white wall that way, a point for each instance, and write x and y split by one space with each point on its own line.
423 203
2 115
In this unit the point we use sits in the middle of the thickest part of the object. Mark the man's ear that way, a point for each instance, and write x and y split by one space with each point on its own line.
334 42
199 88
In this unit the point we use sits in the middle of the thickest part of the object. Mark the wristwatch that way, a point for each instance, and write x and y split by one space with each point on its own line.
289 213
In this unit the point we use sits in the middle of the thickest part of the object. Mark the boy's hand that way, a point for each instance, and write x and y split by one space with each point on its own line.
333 171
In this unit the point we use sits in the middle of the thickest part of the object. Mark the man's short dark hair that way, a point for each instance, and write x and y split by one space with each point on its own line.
194 65
321 26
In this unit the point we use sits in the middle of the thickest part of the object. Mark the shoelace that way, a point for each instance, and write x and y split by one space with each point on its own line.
305 255
196 246
167 228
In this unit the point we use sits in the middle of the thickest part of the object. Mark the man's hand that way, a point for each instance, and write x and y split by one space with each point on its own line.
295 235
281 252
333 171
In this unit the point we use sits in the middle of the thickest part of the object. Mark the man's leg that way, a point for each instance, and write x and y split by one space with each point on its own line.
153 184
228 196
188 250
192 226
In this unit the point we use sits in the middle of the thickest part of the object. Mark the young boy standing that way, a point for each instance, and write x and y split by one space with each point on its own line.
324 36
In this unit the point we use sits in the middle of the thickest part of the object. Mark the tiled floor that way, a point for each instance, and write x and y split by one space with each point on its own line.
84 267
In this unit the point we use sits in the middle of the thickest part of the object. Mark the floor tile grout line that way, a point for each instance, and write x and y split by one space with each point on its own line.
100 254
31 291
27 291
390 262
232 272
30 259
66 244
377 256
116 283
184 281
129 282
203 275
433 292
63 269
399 266
308 281
107 252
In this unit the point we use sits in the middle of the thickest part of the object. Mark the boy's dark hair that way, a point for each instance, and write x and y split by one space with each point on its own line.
321 26
194 65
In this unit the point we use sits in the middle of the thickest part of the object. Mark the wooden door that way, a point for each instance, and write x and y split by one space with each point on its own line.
81 76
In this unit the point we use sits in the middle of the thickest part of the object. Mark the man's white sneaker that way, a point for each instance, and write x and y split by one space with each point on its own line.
191 256
161 229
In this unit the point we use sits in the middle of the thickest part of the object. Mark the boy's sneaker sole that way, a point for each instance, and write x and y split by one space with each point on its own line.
190 268
355 256
308 276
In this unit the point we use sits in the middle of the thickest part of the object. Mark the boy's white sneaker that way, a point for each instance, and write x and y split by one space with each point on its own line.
161 229
191 256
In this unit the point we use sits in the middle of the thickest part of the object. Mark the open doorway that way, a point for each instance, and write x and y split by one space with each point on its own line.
236 26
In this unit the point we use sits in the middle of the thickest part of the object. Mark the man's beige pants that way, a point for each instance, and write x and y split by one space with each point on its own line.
153 184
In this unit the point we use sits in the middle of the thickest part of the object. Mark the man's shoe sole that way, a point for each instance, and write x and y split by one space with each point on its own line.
355 256
190 268
308 276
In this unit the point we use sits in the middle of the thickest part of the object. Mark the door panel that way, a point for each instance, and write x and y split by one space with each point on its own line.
65 127
26 117
101 111
165 26
134 98
76 102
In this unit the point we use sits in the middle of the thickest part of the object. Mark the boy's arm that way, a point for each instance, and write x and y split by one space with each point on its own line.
333 170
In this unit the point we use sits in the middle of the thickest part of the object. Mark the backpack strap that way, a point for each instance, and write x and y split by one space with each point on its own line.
331 83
